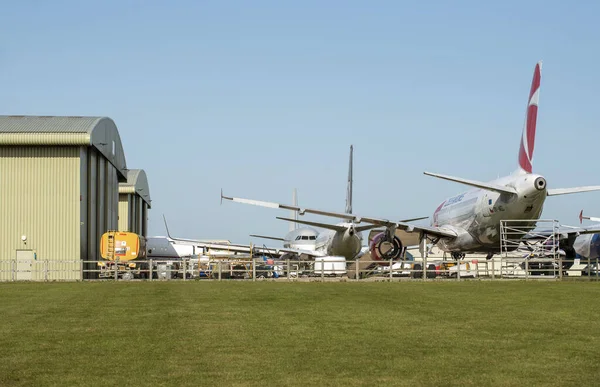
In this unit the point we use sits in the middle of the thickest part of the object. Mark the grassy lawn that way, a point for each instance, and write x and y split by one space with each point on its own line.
232 333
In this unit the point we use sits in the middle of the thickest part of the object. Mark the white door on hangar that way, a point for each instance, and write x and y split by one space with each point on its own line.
24 265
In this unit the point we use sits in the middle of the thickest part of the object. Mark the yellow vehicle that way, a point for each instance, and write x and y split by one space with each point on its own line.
120 248
126 246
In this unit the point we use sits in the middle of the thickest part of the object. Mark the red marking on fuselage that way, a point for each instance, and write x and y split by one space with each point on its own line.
436 212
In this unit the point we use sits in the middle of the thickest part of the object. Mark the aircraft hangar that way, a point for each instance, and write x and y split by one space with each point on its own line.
60 181
134 202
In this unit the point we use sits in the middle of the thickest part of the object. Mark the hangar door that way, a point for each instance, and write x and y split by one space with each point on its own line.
24 265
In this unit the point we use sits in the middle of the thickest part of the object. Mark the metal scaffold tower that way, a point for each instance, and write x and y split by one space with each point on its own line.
527 244
535 238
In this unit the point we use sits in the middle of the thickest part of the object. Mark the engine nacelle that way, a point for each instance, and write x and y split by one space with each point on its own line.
382 249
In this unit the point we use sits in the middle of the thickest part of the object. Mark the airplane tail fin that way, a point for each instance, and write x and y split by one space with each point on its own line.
293 225
349 189
528 136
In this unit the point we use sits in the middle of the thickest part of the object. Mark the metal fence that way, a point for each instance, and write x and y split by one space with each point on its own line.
297 270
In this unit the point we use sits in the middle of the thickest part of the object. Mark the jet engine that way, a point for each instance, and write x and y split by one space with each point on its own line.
587 246
384 248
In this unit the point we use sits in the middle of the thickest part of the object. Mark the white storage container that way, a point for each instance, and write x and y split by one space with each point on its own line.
330 265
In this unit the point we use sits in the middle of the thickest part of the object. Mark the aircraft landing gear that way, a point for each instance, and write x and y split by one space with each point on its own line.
458 256
489 256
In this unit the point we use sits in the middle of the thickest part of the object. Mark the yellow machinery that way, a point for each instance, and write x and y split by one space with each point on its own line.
119 248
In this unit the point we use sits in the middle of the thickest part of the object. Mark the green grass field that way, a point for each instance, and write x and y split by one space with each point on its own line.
232 333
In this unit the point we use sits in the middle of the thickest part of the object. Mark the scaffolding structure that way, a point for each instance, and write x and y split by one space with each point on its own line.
530 247
535 238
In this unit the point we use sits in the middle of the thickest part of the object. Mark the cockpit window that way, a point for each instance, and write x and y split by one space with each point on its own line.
306 238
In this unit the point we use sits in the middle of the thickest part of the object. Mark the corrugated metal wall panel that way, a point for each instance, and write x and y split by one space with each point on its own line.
83 200
40 189
139 215
92 207
144 230
130 212
124 212
133 203
114 198
133 213
101 189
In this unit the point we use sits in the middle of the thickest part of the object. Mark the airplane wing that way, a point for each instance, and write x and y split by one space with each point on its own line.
330 226
315 224
267 237
397 225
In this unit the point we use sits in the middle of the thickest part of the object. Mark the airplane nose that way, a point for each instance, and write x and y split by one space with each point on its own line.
540 183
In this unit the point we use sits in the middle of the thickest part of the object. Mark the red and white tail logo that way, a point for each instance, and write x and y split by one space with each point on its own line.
528 137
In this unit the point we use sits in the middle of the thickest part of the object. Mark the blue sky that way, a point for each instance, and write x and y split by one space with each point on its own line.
261 97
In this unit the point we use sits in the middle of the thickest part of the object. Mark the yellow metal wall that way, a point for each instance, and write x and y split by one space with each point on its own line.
40 198
133 213
124 210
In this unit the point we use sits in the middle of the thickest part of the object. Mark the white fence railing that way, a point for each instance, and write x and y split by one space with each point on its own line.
292 270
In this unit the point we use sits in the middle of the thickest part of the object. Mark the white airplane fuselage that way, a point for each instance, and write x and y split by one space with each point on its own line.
303 238
475 215
162 247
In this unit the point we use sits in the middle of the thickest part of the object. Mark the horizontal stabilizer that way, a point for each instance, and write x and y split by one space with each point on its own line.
566 191
593 219
366 227
267 237
316 224
413 219
478 184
